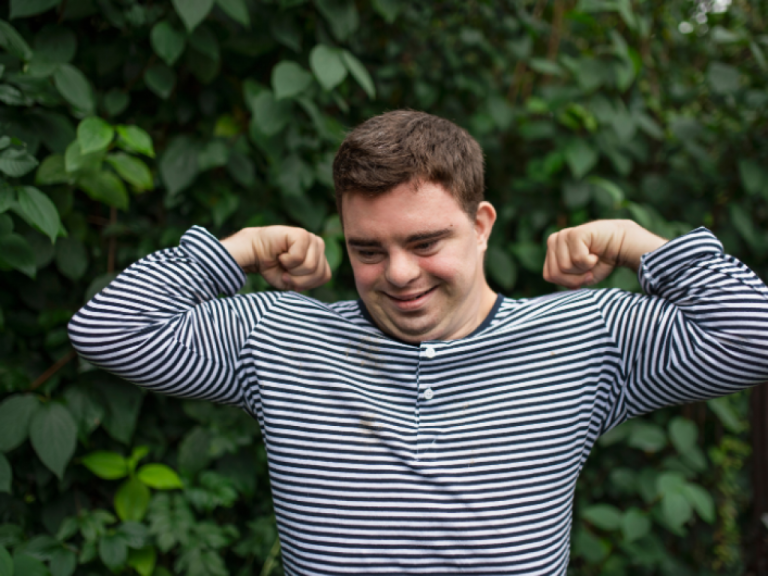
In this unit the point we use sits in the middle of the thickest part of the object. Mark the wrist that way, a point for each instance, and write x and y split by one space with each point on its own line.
242 246
636 242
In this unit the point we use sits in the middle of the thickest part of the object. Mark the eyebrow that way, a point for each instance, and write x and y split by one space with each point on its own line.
421 237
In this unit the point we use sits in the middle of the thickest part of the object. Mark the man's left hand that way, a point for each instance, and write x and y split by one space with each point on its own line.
588 253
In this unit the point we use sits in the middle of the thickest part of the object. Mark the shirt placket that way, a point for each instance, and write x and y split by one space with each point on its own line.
425 393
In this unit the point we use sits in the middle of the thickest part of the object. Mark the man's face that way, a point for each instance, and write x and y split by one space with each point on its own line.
418 261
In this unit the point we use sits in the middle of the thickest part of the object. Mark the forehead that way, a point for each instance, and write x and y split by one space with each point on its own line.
404 211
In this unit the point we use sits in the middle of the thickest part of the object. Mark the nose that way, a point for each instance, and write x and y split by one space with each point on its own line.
402 268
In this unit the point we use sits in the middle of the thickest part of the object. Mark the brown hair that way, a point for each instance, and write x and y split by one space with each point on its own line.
403 146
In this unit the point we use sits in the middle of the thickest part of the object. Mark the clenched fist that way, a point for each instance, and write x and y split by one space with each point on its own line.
588 253
287 258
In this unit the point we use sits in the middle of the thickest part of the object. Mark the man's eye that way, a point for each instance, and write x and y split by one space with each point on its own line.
424 246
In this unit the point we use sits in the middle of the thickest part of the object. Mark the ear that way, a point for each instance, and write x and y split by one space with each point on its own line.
484 219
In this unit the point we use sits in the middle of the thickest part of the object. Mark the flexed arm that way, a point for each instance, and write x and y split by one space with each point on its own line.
700 330
160 324
587 254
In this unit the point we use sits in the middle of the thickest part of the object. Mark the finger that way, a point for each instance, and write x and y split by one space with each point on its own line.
314 260
582 259
561 253
299 242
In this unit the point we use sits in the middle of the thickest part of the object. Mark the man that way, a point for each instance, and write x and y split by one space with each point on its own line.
433 427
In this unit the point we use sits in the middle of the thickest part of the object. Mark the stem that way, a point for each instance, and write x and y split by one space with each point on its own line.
112 241
45 376
269 563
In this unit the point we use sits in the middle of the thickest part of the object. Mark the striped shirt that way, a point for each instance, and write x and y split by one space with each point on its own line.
445 457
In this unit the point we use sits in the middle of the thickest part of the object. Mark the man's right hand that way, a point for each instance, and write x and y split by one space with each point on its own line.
287 258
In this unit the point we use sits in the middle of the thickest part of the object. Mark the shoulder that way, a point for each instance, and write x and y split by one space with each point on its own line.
572 304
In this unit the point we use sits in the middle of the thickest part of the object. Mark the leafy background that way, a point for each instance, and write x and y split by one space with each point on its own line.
124 122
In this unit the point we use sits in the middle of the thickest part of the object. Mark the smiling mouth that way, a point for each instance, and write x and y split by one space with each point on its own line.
411 298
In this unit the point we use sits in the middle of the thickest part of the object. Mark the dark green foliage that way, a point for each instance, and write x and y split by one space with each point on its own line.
124 122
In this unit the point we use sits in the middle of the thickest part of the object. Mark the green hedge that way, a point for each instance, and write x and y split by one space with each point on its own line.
122 123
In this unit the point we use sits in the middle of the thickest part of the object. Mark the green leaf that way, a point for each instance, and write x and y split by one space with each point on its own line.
53 433
603 516
647 437
167 42
327 65
7 200
194 450
16 252
237 10
547 67
71 258
359 73
204 41
214 154
15 415
113 551
6 475
16 162
131 500
723 78
63 562
606 192
160 79
75 88
501 267
721 406
135 139
39 210
669 482
676 509
589 547
159 476
269 115
131 169
341 16
6 563
137 454
178 166
753 177
683 434
55 44
134 534
25 565
388 9
634 525
192 12
13 42
25 8
123 403
94 134
701 501
581 157
75 161
289 79
115 102
143 560
530 255
105 187
52 171
106 465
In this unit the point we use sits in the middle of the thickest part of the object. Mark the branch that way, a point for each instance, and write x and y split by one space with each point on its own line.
60 363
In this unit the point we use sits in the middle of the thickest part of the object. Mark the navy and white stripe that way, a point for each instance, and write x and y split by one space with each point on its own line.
369 474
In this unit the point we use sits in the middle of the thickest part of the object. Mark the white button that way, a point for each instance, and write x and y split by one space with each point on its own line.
430 352
428 393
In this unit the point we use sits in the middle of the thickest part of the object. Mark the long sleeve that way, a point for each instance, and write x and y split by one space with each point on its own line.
161 325
700 331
